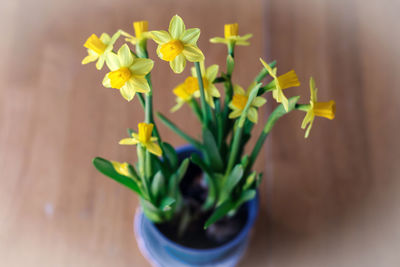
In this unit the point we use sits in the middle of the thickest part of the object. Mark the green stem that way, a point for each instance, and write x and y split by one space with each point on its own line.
235 146
204 106
303 107
230 64
220 130
141 100
141 50
141 161
234 149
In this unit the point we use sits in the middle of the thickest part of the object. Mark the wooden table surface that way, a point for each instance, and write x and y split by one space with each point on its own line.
330 200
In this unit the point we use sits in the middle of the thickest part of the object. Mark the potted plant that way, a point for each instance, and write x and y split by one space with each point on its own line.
198 202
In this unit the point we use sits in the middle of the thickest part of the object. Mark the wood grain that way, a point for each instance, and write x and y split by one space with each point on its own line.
326 201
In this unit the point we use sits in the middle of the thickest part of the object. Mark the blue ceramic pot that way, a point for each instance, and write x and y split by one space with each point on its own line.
161 251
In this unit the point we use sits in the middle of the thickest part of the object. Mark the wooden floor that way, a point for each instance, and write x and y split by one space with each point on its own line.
331 200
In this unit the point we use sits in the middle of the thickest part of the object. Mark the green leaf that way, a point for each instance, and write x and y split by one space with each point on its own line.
166 203
231 181
244 197
170 154
105 167
173 185
210 150
244 161
250 180
219 212
158 184
180 173
151 212
212 193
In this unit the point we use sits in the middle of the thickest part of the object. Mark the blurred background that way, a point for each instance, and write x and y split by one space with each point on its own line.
330 200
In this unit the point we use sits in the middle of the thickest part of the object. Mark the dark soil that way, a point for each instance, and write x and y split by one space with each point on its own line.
194 192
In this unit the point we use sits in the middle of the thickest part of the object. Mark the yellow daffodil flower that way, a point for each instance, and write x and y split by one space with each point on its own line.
239 101
284 81
141 31
178 45
144 138
98 48
122 168
232 36
209 75
127 72
184 92
321 109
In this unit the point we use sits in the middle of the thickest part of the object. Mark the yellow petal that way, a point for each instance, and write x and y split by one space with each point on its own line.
269 69
242 43
100 62
176 27
259 101
237 89
218 40
235 113
89 58
212 73
112 61
153 148
193 53
210 100
313 90
106 81
160 37
128 141
115 37
179 104
178 64
213 91
309 116
139 84
191 36
141 66
252 115
125 56
105 38
128 91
